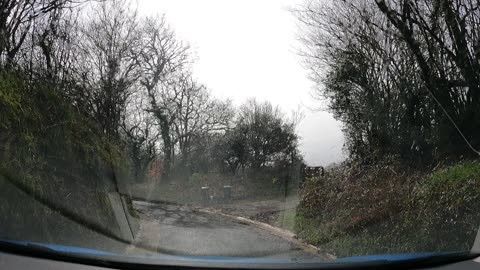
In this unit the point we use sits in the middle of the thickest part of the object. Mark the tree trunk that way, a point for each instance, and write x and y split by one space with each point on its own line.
167 145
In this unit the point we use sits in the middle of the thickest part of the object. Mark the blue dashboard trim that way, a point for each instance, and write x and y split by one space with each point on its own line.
368 258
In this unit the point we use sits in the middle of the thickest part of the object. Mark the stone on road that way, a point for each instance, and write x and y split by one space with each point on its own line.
180 230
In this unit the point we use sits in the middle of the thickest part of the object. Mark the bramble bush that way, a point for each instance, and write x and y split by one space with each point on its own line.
387 208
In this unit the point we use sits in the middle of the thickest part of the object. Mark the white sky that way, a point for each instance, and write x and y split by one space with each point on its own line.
247 48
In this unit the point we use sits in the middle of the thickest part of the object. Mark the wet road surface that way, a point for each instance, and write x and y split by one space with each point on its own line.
181 230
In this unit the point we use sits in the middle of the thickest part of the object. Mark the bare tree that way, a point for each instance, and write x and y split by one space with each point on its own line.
397 73
140 133
48 52
17 18
161 56
197 114
369 78
109 69
444 37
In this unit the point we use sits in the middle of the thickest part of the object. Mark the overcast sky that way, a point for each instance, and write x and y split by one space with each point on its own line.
247 48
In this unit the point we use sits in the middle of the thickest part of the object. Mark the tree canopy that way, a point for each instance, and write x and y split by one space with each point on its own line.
402 76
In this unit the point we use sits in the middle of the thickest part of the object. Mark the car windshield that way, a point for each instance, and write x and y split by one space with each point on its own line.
253 131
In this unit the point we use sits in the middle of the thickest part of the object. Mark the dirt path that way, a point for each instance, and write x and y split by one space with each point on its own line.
276 212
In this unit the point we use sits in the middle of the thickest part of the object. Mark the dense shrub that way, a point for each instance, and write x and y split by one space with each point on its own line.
357 210
51 150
